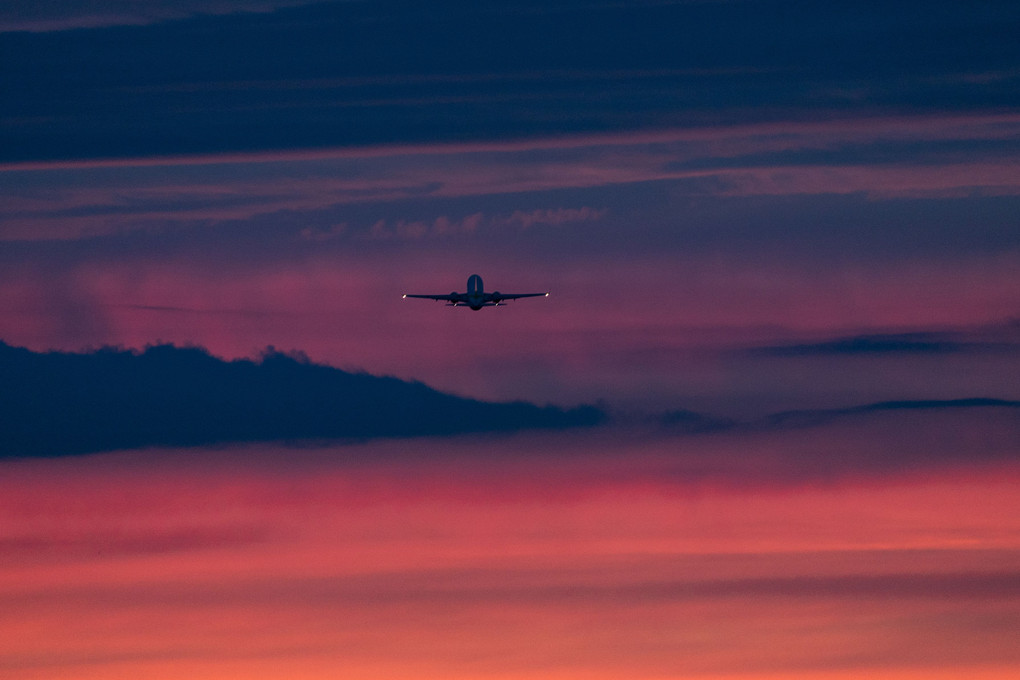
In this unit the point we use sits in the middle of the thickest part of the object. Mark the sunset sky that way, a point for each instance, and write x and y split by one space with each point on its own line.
782 241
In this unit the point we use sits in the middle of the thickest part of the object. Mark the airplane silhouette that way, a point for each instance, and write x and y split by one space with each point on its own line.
476 297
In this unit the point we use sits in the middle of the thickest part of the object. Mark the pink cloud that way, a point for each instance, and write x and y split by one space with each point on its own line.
543 556
954 180
444 227
664 331
199 189
655 323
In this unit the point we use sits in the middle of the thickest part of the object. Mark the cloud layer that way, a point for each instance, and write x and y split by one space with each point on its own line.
787 228
60 404
351 73
539 555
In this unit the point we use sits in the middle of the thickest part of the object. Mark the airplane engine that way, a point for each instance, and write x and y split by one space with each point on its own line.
496 297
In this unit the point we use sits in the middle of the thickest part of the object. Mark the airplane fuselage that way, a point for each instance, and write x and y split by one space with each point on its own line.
475 292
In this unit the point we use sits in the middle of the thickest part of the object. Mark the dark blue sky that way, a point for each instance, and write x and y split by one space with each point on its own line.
170 80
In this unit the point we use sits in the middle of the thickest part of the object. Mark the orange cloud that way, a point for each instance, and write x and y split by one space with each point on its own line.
497 558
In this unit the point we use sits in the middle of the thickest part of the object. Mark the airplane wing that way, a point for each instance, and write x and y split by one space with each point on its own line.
514 296
492 299
450 297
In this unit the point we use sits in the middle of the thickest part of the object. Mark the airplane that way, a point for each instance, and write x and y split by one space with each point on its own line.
476 297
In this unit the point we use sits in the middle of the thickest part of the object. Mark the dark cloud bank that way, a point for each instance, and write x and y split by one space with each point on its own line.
58 403
810 417
63 403
891 343
692 422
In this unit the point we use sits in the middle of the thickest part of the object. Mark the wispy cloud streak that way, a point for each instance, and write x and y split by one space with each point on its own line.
63 15
114 196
